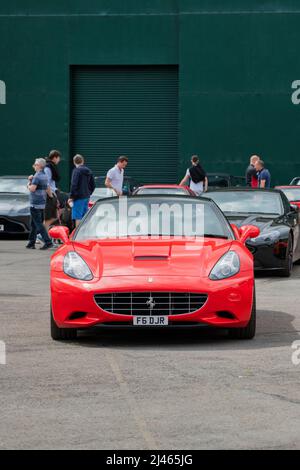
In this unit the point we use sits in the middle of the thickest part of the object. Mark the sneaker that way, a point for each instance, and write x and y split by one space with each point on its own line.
39 239
30 246
46 247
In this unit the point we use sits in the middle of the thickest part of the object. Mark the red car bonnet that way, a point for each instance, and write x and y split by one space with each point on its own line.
175 257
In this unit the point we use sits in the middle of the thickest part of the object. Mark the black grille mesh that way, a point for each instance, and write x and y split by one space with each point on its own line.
150 303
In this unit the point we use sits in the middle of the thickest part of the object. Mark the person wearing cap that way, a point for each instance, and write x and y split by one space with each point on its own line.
115 176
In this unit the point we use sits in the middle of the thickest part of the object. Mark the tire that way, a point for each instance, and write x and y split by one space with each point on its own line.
60 334
248 332
288 262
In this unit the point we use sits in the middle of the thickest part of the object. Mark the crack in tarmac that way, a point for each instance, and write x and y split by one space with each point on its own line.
124 387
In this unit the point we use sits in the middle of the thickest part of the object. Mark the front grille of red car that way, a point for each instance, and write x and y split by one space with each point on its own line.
150 303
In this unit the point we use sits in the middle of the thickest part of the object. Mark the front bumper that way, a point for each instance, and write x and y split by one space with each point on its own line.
15 225
230 297
268 256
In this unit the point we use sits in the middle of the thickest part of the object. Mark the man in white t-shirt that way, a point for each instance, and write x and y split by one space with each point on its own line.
197 177
115 176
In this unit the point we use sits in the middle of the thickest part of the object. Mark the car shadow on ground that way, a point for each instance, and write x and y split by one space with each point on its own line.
274 329
10 238
273 275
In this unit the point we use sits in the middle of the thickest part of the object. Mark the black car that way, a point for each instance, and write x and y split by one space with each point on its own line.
225 180
129 184
14 205
278 245
295 181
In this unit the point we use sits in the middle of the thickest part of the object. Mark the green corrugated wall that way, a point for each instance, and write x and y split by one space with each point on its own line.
236 59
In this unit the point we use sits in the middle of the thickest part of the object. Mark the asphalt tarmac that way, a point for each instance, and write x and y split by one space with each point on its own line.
116 389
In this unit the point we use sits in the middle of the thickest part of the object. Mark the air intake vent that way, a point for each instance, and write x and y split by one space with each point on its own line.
150 303
77 315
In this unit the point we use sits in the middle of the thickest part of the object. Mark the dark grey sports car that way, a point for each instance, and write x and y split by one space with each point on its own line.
278 245
14 205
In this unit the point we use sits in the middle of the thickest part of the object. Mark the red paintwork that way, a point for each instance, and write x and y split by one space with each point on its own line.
186 269
248 231
168 186
245 232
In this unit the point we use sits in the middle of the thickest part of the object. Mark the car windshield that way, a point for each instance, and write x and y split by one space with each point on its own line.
100 193
248 202
292 194
153 216
167 191
13 185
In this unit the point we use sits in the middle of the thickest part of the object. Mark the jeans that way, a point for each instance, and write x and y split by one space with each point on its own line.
37 226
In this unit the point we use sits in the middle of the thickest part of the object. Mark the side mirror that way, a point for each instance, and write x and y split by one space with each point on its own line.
248 231
60 232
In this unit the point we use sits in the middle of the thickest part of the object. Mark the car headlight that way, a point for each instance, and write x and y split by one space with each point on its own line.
227 266
267 237
76 267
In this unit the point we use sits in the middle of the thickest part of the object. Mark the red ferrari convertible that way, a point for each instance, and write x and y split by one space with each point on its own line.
153 261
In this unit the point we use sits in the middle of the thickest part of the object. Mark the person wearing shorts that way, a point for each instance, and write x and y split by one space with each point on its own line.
79 209
82 186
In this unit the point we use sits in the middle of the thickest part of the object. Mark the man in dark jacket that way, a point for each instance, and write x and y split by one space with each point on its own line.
82 186
53 178
251 173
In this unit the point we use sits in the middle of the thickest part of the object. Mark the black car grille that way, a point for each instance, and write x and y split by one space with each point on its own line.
150 303
12 227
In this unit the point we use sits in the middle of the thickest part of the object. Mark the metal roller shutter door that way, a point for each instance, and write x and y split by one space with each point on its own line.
129 111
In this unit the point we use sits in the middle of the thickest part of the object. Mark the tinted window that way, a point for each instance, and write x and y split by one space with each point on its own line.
102 193
218 181
292 194
167 191
248 202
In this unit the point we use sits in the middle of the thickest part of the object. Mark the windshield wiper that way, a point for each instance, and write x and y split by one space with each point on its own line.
213 235
245 214
11 192
267 213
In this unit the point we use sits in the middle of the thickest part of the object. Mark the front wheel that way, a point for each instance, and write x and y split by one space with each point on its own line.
248 332
60 334
288 262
